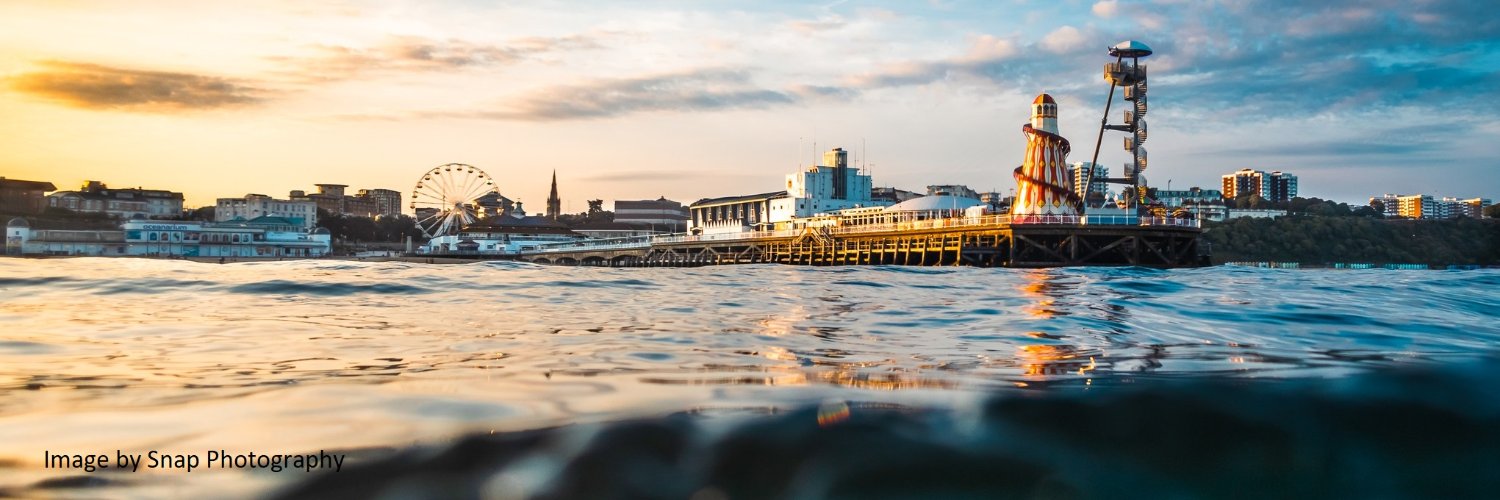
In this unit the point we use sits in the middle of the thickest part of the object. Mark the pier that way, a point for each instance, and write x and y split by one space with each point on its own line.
986 241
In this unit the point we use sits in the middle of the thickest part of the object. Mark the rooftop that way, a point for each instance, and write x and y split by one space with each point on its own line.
738 199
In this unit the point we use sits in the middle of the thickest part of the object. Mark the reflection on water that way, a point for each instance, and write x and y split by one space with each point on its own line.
102 354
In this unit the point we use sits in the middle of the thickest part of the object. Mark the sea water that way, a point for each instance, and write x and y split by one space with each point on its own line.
747 381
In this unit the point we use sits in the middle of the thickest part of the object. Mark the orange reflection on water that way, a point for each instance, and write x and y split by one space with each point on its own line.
1039 360
1039 284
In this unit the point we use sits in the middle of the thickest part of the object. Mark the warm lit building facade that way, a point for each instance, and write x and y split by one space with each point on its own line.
369 203
1274 186
96 197
1421 206
387 201
302 212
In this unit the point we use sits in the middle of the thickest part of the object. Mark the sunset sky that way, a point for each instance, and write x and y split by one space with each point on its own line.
631 100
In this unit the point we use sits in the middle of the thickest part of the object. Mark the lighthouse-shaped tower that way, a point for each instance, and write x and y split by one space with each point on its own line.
1044 182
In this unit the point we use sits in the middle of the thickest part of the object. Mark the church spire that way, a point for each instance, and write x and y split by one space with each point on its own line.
554 204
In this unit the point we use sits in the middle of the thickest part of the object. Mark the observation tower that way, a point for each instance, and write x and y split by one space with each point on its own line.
1129 74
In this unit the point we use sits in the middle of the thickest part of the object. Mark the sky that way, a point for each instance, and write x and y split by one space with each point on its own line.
690 100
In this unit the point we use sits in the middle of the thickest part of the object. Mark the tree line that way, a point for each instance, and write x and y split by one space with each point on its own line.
1323 240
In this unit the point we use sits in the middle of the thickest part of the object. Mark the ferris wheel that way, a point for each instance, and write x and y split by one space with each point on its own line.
447 198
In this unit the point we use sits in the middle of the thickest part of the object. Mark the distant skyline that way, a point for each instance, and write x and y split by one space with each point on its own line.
691 100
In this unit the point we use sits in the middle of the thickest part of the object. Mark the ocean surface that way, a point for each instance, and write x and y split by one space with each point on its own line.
514 380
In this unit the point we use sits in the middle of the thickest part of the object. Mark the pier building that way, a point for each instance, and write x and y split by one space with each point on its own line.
733 214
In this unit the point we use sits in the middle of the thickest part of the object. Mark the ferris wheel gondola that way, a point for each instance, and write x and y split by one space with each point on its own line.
446 198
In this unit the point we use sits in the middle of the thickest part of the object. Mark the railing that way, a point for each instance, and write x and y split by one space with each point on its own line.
646 241
909 225
633 242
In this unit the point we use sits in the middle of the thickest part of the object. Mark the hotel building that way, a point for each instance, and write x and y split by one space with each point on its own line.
1421 206
304 213
1080 175
1273 186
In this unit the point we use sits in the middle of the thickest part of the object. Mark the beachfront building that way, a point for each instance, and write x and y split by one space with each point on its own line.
302 212
1390 204
24 197
368 203
387 201
661 213
1473 208
1422 206
266 237
1417 206
96 197
1274 186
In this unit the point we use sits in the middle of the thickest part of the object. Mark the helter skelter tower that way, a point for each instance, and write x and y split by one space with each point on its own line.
1044 182
1130 76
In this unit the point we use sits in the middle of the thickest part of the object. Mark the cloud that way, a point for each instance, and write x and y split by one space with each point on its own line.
1225 63
654 176
1107 8
701 90
418 55
823 25
92 86
1063 40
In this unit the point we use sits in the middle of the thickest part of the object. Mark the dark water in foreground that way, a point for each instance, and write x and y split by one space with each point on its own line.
753 381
